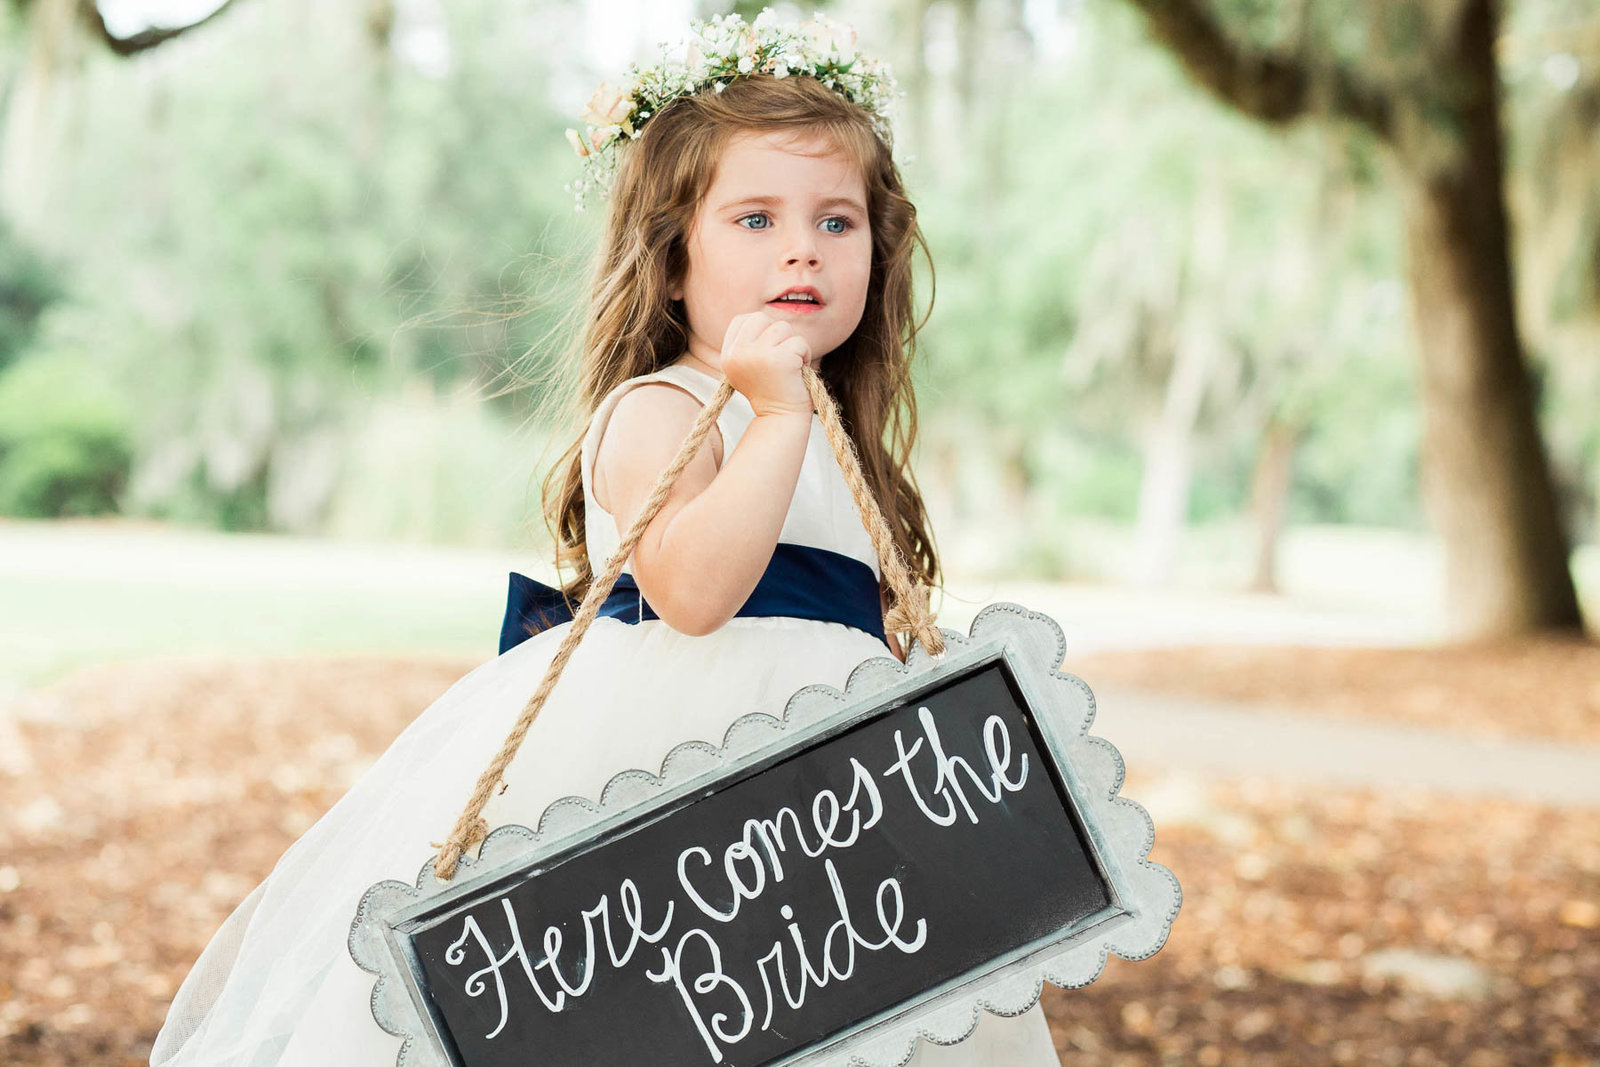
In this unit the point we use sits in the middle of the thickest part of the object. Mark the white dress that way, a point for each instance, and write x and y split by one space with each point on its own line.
276 986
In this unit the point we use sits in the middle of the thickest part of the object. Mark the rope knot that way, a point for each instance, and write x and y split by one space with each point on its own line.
444 867
910 614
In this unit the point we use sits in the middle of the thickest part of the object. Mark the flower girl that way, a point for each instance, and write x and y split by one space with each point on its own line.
756 224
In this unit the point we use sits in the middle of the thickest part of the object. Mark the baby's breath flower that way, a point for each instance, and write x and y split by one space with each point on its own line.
720 49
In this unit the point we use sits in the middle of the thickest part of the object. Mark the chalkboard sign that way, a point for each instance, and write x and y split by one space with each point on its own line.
819 890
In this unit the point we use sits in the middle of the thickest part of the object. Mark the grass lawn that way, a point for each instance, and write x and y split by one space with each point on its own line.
52 626
75 594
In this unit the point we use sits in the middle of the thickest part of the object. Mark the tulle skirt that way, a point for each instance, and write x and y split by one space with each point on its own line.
276 986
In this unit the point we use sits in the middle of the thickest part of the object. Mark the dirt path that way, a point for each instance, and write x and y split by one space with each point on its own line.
1516 689
1226 740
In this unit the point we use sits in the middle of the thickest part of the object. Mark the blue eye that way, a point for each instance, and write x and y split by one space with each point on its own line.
846 224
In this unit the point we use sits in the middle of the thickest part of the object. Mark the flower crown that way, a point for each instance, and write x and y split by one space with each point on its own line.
715 53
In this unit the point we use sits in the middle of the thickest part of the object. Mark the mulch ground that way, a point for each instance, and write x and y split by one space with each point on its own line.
139 803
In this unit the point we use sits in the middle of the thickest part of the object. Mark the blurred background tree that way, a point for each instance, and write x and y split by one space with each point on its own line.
1422 76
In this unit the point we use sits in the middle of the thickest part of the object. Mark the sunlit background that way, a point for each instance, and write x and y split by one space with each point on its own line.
288 272
1255 358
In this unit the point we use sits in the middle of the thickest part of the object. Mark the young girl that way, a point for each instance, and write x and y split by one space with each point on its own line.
755 227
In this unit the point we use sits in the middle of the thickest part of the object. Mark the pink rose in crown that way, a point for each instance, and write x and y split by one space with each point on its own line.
827 35
608 106
576 141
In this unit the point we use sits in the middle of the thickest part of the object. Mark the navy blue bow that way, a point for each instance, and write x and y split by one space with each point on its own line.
800 581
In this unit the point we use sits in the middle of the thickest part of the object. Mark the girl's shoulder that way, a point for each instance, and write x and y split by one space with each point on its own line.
602 533
674 378
680 374
677 377
646 417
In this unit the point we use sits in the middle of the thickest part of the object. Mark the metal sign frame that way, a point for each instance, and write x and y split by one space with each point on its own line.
1144 896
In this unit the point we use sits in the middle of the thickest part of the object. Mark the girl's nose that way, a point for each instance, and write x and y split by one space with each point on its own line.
803 248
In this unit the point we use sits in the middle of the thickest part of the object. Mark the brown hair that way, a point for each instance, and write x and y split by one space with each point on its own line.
632 326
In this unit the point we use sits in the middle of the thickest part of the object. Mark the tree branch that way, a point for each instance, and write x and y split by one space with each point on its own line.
1276 87
144 39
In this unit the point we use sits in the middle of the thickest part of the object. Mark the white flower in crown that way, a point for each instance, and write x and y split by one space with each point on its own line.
717 52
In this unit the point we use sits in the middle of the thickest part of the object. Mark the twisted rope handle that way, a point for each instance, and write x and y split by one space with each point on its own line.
909 613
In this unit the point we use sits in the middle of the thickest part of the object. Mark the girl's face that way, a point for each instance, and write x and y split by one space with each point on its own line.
784 210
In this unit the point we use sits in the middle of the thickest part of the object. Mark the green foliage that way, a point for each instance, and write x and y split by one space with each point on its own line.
376 221
28 285
64 447
1088 474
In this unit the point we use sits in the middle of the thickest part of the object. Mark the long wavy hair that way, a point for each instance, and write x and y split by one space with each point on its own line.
631 326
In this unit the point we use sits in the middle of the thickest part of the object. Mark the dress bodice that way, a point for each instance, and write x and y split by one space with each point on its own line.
822 513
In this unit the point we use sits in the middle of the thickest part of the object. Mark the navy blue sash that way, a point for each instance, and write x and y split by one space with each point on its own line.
801 582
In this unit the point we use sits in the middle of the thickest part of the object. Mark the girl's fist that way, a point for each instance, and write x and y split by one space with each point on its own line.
761 357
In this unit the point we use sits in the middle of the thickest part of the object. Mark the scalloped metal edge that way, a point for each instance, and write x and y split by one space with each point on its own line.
1063 705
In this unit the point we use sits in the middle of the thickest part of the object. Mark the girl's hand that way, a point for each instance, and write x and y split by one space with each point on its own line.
762 357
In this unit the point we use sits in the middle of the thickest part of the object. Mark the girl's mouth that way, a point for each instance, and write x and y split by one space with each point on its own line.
798 307
800 301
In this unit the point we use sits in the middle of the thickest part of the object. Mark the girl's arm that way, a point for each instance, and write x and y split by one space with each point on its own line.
702 555
642 436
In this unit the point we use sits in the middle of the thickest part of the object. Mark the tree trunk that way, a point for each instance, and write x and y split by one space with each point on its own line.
918 86
1168 474
32 121
969 59
1487 484
1269 494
